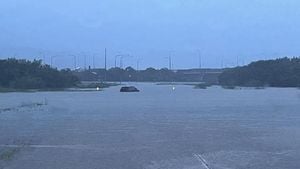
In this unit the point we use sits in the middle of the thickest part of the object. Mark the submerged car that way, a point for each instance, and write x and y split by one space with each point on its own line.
129 89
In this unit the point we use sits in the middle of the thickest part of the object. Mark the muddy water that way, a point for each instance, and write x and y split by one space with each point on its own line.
156 128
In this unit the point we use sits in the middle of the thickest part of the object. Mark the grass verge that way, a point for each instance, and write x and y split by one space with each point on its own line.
9 154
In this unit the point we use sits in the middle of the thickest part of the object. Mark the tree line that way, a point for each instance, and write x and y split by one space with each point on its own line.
283 72
24 74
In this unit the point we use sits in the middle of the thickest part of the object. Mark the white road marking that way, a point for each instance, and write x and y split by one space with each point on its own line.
202 160
76 147
48 146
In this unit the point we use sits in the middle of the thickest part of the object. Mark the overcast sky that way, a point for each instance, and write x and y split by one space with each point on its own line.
151 30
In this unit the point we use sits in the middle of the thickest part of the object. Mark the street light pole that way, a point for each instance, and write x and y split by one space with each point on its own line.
93 61
51 60
170 62
51 64
122 58
121 62
222 62
138 64
84 62
116 57
105 59
74 61
42 55
199 59
105 64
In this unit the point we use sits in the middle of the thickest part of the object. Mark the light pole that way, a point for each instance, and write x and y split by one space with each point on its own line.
222 62
42 55
200 59
116 57
121 61
74 61
105 59
138 63
84 62
122 58
105 64
83 54
169 61
51 60
93 61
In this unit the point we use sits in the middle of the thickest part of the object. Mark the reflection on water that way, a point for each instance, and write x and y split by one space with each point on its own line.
160 127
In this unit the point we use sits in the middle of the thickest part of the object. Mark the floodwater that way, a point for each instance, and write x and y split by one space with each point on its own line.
157 128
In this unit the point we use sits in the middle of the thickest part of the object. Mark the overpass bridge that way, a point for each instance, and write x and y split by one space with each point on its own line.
202 75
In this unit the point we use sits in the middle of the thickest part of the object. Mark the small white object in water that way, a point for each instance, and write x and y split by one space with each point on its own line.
173 88
98 88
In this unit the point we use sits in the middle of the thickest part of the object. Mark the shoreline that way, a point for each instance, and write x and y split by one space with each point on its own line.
196 86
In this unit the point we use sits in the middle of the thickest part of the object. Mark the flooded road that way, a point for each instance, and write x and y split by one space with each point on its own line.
157 128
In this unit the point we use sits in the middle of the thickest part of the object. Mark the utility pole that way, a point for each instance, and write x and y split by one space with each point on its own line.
200 61
42 55
51 61
137 64
222 62
122 57
137 69
170 62
116 57
121 62
44 61
105 64
74 61
93 61
84 62
105 59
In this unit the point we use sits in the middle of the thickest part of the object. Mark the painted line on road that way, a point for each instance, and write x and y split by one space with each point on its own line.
76 147
202 160
47 146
